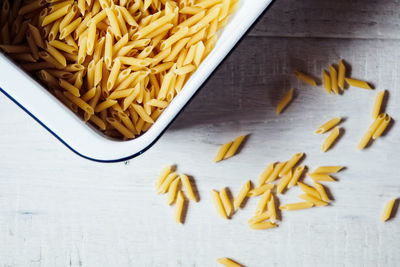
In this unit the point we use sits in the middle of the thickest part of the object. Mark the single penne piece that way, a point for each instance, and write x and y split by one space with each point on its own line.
296 175
265 174
241 196
309 190
358 83
376 110
284 101
328 169
187 187
272 209
218 204
276 172
263 225
228 262
222 151
172 191
382 127
233 148
320 188
290 164
321 177
180 201
157 103
120 128
259 218
79 102
330 139
165 184
313 200
388 210
226 202
260 190
328 125
69 87
371 130
327 81
341 74
334 79
284 182
296 206
113 23
262 204
305 78
98 122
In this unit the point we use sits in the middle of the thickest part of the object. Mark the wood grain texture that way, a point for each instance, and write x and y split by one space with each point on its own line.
57 209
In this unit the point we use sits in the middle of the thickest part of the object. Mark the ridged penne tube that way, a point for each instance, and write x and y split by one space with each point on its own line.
61 74
265 174
186 69
105 105
233 148
320 188
277 169
164 186
263 225
69 87
321 177
89 94
211 15
330 139
228 262
259 218
388 210
262 204
63 46
271 209
157 103
305 78
309 190
241 196
36 36
48 78
222 151
260 190
152 26
371 130
226 202
296 175
56 54
376 110
284 182
187 187
179 207
341 74
120 128
79 102
284 101
98 122
163 175
181 33
172 191
296 206
358 83
59 13
382 127
328 125
328 169
190 10
218 204
313 200
334 79
293 161
327 81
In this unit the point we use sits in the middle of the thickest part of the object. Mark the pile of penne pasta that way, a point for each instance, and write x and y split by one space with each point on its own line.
117 63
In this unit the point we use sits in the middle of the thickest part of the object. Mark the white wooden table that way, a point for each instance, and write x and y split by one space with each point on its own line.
57 209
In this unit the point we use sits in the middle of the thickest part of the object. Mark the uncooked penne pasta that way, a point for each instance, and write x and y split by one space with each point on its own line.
218 204
284 182
328 125
305 78
341 74
296 175
358 83
265 174
284 101
233 148
309 190
313 200
388 210
180 201
260 217
371 130
330 139
297 206
327 81
172 191
241 196
187 187
277 169
262 204
290 164
226 202
165 184
221 153
228 262
321 177
260 190
382 127
376 110
263 225
334 79
328 169
271 209
320 188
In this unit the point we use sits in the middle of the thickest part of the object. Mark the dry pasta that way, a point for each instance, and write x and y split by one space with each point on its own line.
284 182
296 206
320 188
188 187
330 139
241 196
388 210
284 101
371 130
321 177
180 201
279 166
328 169
172 191
309 190
235 145
164 186
228 262
263 225
221 153
226 202
328 125
327 81
313 200
259 218
377 104
341 74
305 78
265 174
118 45
218 204
290 164
334 79
260 190
381 128
358 83
262 204
271 209
296 175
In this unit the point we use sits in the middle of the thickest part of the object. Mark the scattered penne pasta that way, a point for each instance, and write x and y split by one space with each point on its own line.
297 206
241 196
341 74
263 225
328 125
328 169
260 190
282 104
313 200
334 79
388 210
358 83
321 177
305 78
229 149
327 81
218 204
376 110
228 262
371 131
330 139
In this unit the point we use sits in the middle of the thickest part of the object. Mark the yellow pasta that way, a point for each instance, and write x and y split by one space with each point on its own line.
259 218
313 200
296 175
179 207
290 164
284 101
56 54
305 78
165 184
382 127
120 128
263 225
321 177
260 190
371 130
271 209
330 139
309 190
163 175
265 174
276 171
59 13
334 79
297 206
262 204
358 83
226 202
284 182
328 169
69 87
241 196
172 191
79 102
218 204
188 187
328 125
377 104
221 153
388 210
228 262
327 81
341 74
320 188
234 146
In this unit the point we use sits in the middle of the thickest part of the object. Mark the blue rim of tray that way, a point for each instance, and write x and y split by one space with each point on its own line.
169 124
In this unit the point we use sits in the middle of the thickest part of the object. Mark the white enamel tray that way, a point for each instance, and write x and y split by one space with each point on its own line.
86 141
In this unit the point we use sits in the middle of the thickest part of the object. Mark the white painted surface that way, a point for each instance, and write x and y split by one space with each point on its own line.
57 209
